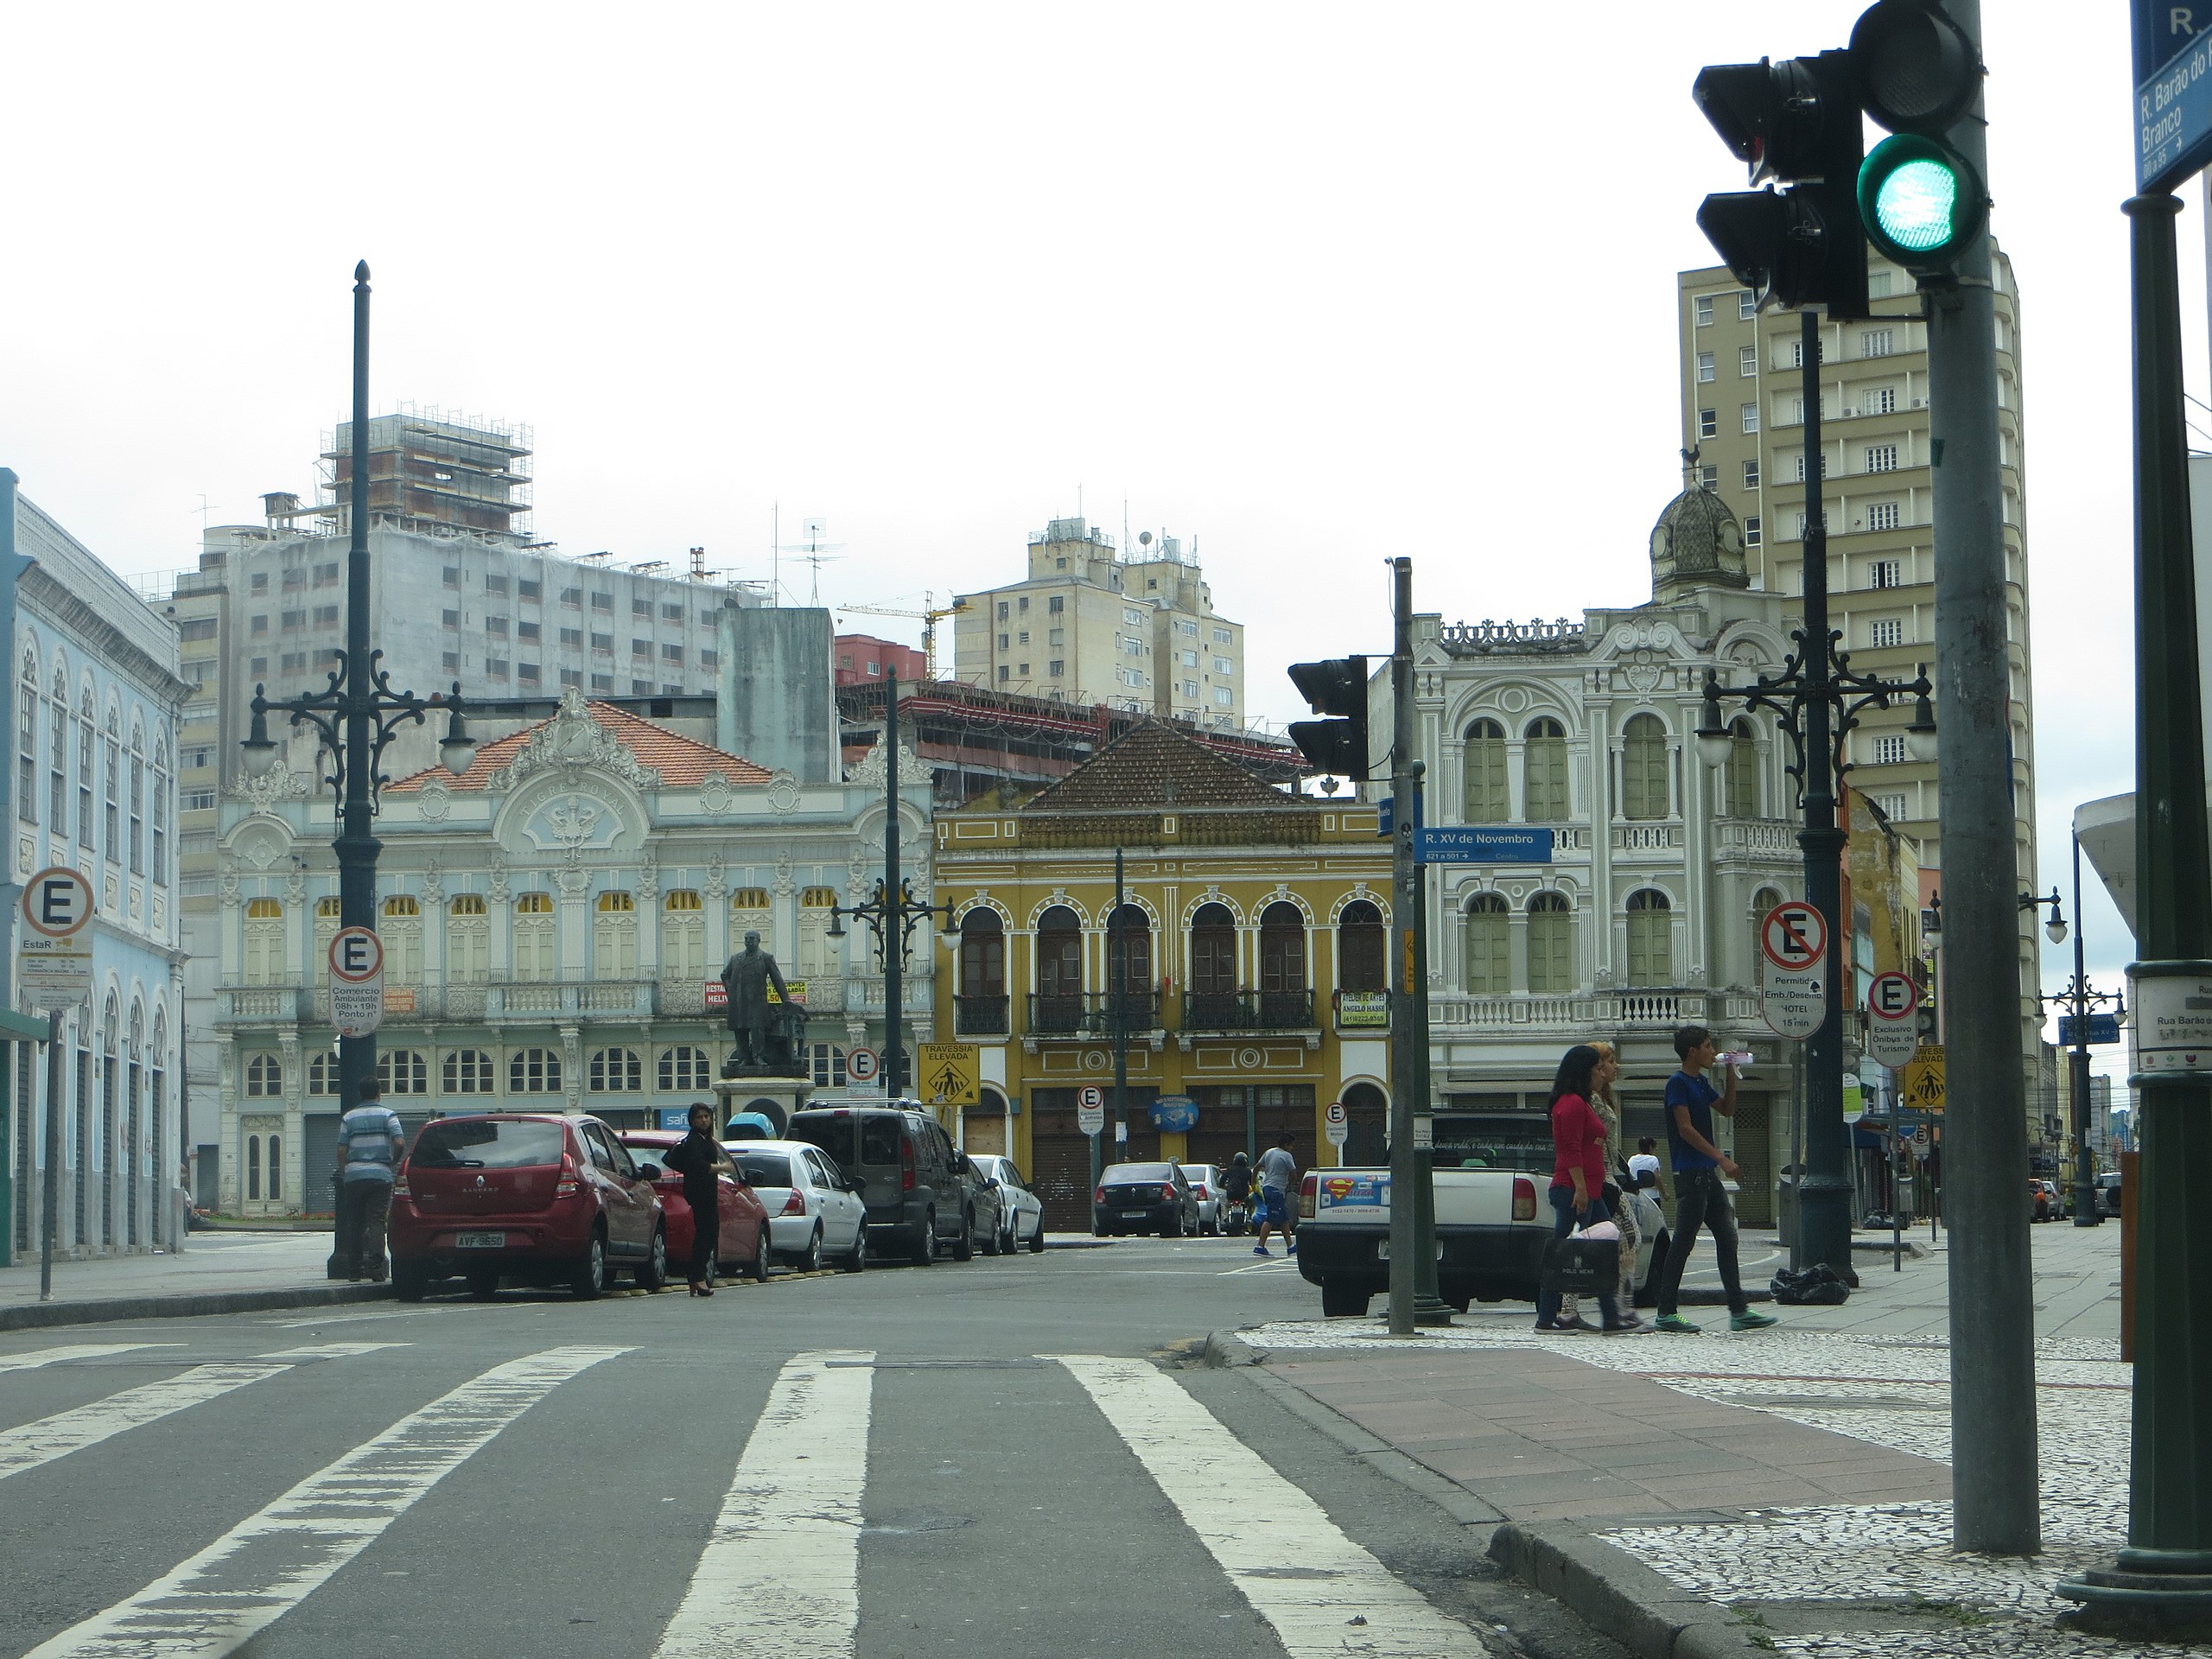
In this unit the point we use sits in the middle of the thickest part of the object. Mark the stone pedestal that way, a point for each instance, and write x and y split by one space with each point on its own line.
787 1095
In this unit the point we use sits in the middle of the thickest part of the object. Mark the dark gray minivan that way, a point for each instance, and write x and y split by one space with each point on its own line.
918 1194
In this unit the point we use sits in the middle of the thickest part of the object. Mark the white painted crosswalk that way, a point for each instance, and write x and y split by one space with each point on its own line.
67 1351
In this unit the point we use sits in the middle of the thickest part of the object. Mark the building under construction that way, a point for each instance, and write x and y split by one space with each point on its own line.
426 473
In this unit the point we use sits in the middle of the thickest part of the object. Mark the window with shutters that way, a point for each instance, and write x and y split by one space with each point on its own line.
468 940
1551 946
1543 763
536 938
749 913
400 928
1489 952
1213 966
27 742
1743 771
819 956
329 911
682 935
1362 949
1059 953
265 963
1643 768
57 816
1485 799
614 935
1650 939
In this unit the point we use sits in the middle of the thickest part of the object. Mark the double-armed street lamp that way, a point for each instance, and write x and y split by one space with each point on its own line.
2080 1000
357 715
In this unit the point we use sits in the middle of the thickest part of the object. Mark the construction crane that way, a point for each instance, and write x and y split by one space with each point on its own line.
930 615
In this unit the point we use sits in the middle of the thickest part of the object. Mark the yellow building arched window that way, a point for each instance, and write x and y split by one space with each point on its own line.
614 935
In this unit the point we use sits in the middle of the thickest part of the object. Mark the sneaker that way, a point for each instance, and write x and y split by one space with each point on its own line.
1260 1250
1749 1321
1576 1323
1627 1326
1293 1249
1676 1325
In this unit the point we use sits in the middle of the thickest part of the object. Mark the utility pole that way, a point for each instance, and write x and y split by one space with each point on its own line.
1405 975
894 937
1117 937
1992 1327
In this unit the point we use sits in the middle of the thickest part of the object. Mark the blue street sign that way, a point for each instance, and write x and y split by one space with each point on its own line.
1389 824
2173 93
1464 843
2103 1028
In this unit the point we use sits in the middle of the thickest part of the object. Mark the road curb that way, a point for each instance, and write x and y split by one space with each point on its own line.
1225 1349
1615 1594
37 1316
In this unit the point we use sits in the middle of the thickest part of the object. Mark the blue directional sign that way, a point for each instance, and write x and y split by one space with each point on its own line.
2103 1028
2173 93
1389 824
1466 844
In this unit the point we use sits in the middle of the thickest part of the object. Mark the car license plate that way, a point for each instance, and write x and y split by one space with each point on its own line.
1135 1215
480 1241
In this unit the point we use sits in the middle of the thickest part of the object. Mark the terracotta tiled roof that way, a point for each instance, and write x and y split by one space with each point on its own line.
1154 765
681 762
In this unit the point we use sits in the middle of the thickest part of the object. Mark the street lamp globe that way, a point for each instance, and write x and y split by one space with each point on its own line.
260 752
457 750
2056 928
1715 740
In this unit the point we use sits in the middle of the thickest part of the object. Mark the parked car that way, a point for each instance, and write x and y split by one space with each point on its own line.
2109 1193
983 1203
813 1207
1144 1199
1205 1187
918 1199
2046 1201
537 1197
744 1218
1489 1238
1652 1240
1023 1218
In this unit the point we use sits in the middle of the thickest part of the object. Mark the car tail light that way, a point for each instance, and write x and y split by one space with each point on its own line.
1199 1191
1168 1190
794 1204
1100 1196
1309 1194
1524 1199
905 1166
399 1184
565 1187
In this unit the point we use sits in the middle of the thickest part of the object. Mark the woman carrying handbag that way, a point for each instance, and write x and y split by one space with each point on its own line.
1608 1108
1577 1186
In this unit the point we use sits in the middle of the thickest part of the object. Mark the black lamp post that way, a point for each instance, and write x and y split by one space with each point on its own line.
2078 999
357 715
892 913
1816 700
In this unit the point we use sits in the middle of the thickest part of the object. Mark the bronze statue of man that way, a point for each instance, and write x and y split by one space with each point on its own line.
746 979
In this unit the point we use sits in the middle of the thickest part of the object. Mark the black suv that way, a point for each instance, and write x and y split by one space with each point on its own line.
920 1194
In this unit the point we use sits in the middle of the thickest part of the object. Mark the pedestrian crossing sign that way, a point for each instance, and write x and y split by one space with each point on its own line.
1924 1080
946 1073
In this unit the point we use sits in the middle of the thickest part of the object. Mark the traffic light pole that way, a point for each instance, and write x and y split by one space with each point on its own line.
1994 1508
1404 898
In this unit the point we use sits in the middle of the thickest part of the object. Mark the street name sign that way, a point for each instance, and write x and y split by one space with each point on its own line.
1892 1018
2102 1028
53 963
1794 950
356 980
862 1065
2173 1019
1336 1126
1090 1108
947 1072
2173 93
1469 843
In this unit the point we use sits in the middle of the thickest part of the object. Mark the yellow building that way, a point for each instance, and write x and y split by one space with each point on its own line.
1255 933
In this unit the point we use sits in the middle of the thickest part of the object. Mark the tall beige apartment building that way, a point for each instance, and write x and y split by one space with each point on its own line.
1743 415
1131 628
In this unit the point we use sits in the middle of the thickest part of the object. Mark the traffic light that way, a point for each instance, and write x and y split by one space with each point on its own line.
1920 200
1794 124
1336 687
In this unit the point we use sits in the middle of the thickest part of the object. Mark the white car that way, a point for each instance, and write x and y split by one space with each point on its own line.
1022 1212
812 1212
1205 1187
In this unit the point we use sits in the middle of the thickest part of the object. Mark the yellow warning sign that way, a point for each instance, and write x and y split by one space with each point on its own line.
945 1073
1924 1080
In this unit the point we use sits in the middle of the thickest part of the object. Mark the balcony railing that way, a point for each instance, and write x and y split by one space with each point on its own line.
1090 1013
1659 1006
980 1016
1247 1011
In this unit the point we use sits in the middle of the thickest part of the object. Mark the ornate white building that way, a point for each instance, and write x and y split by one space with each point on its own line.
551 921
1643 919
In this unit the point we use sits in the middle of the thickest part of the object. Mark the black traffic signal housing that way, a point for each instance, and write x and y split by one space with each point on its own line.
1336 687
1920 201
1795 124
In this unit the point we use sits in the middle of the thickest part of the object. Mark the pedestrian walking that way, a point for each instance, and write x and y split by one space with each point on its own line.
371 1142
1578 1190
1608 1108
1646 1162
1700 1167
1278 1172
699 1157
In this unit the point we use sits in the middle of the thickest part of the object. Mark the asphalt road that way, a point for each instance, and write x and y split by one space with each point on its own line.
1013 1457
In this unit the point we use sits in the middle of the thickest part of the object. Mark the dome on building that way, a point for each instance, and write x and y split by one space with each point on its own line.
1696 544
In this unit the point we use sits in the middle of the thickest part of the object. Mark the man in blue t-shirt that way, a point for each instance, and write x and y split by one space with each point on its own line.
1700 1167
370 1143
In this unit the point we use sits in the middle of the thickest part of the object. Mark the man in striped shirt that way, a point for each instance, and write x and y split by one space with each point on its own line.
370 1144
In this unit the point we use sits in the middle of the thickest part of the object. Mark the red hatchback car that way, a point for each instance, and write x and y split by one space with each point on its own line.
524 1196
744 1235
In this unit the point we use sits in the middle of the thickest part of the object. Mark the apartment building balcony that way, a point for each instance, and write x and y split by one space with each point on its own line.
982 1016
1655 1009
1752 837
1204 1013
1089 1015
863 994
524 1002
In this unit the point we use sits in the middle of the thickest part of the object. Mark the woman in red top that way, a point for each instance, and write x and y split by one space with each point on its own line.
1579 1179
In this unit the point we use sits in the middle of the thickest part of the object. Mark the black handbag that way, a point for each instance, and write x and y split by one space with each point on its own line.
1575 1266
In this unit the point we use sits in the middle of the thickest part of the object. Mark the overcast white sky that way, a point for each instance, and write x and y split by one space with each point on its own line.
1312 286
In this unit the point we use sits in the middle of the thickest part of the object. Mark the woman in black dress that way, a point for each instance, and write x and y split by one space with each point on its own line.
698 1159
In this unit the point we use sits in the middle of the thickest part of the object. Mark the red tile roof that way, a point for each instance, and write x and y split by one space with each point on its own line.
681 762
1153 765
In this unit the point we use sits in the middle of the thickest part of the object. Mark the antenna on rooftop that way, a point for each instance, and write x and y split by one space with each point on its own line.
815 551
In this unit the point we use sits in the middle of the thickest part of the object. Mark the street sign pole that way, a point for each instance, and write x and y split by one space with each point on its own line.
50 1188
1405 779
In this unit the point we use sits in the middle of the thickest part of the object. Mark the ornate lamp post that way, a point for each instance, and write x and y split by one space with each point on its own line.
2079 1000
357 715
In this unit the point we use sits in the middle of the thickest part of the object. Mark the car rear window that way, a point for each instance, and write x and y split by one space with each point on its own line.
833 1134
878 1140
1127 1173
765 1168
1198 1172
486 1143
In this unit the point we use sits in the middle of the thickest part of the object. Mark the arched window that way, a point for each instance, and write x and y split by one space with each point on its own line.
264 961
161 815
402 1071
1544 762
1129 936
275 1169
1212 1003
137 840
253 1167
157 1062
682 935
818 952
1285 1004
1551 946
534 1072
1489 959
1743 771
827 1062
1485 800
981 1006
401 929
1643 768
1650 939
468 1072
1060 970
57 814
27 707
537 938
683 1069
749 912
1363 952
614 937
264 1077
616 1072
85 770
468 940
111 812
328 913
322 1074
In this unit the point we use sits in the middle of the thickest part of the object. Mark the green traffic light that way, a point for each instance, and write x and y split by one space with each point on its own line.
1919 201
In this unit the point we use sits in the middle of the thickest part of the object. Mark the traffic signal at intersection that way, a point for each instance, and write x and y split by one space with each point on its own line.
1336 687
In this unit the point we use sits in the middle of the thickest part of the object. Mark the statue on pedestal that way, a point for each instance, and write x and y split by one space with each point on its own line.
768 1037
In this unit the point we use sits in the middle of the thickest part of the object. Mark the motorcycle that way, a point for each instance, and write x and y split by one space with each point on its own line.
1236 1217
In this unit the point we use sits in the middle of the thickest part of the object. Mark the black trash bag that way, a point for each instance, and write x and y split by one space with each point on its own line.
1818 1286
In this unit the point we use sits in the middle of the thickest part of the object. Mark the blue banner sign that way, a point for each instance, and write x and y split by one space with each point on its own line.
1389 824
1177 1114
2103 1028
1470 844
2173 97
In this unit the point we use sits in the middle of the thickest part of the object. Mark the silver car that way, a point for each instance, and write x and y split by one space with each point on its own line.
1205 1187
812 1210
1021 1212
